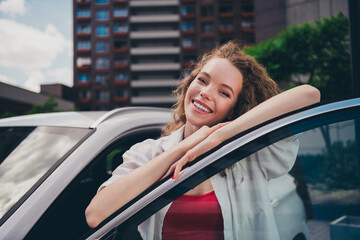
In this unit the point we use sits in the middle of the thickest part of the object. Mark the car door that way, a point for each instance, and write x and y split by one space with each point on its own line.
326 176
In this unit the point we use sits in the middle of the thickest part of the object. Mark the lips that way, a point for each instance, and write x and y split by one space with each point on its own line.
201 106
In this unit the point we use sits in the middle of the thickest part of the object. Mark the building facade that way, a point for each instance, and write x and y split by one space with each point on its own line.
133 52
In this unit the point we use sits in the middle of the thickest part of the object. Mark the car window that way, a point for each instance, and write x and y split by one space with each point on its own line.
318 197
69 208
27 155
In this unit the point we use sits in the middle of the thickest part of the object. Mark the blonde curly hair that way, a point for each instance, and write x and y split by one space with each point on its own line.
257 85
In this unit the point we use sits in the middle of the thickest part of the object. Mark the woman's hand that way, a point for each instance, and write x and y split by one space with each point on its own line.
205 139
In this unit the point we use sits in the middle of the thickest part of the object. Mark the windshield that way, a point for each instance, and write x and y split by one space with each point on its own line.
26 154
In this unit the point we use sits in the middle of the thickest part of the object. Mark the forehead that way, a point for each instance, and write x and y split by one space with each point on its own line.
223 70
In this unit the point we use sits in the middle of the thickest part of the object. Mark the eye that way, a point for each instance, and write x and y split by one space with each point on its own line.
201 80
224 93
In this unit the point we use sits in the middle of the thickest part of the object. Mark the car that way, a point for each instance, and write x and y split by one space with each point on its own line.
52 165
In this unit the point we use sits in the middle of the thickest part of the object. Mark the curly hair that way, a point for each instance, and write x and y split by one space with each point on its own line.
257 85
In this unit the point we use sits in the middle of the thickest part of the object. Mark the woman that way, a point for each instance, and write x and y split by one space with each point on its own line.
227 93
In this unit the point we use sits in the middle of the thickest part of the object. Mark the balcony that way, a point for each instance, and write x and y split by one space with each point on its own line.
84 101
151 83
83 2
155 67
248 30
155 34
247 14
155 18
154 50
120 1
121 99
155 3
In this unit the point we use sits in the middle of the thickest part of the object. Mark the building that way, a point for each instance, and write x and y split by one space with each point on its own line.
18 101
132 52
275 15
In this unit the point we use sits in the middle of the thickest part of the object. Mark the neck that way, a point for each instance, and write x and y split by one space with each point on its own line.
190 129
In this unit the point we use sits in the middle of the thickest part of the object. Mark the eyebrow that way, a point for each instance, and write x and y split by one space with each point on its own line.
223 84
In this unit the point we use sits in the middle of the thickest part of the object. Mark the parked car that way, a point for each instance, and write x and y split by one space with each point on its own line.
52 165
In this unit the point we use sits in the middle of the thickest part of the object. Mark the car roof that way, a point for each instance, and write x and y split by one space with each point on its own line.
89 119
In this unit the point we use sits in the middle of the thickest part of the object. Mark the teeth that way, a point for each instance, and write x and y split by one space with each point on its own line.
201 107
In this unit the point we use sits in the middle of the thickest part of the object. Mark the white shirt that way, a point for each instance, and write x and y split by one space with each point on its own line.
242 193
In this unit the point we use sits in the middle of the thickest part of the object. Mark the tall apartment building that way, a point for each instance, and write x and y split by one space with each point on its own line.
132 52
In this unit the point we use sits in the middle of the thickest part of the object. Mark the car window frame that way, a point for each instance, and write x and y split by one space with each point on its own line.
258 137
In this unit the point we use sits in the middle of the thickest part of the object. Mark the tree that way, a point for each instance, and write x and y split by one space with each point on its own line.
48 106
316 53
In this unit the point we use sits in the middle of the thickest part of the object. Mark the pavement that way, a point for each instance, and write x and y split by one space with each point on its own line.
319 230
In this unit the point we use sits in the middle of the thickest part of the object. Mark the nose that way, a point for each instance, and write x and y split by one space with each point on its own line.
205 93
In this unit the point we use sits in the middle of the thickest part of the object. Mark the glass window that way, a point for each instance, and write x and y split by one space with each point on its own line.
226 26
187 42
102 14
120 44
102 62
84 94
121 77
207 11
83 45
208 43
188 26
83 61
102 79
101 1
102 30
83 13
102 95
247 24
121 93
120 28
102 46
187 10
27 154
120 12
83 29
207 27
120 61
83 78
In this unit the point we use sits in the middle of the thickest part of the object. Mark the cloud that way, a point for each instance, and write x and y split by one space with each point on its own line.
13 7
7 80
34 79
28 48
60 75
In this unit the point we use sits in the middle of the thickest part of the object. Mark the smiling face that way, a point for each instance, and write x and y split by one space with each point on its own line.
212 95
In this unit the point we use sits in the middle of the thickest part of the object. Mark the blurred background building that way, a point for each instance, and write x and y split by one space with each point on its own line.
133 52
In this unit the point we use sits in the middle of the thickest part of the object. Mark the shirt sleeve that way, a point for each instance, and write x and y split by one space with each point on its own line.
136 156
278 158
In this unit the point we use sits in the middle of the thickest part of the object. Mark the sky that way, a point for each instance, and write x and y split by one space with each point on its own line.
36 43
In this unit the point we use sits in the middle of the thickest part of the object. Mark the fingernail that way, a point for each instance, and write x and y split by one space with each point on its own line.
173 177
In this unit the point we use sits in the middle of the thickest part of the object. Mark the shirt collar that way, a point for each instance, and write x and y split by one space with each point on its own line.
173 138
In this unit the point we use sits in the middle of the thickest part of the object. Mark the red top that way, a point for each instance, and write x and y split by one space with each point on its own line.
194 217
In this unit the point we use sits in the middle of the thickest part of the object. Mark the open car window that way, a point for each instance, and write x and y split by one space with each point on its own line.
321 192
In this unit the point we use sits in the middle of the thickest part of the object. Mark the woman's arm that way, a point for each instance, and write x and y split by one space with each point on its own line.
282 103
120 192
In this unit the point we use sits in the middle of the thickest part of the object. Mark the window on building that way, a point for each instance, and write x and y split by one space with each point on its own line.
226 26
207 11
83 45
102 95
188 42
225 9
83 29
83 61
120 12
188 26
102 14
83 13
84 94
118 44
208 43
248 8
207 27
121 93
188 10
84 78
102 62
102 30
102 46
120 61
247 24
120 77
102 79
120 28
102 1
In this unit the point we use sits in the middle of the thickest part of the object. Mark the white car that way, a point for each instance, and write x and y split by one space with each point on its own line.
51 166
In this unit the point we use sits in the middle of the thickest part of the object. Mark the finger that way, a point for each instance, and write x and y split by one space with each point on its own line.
169 171
177 170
